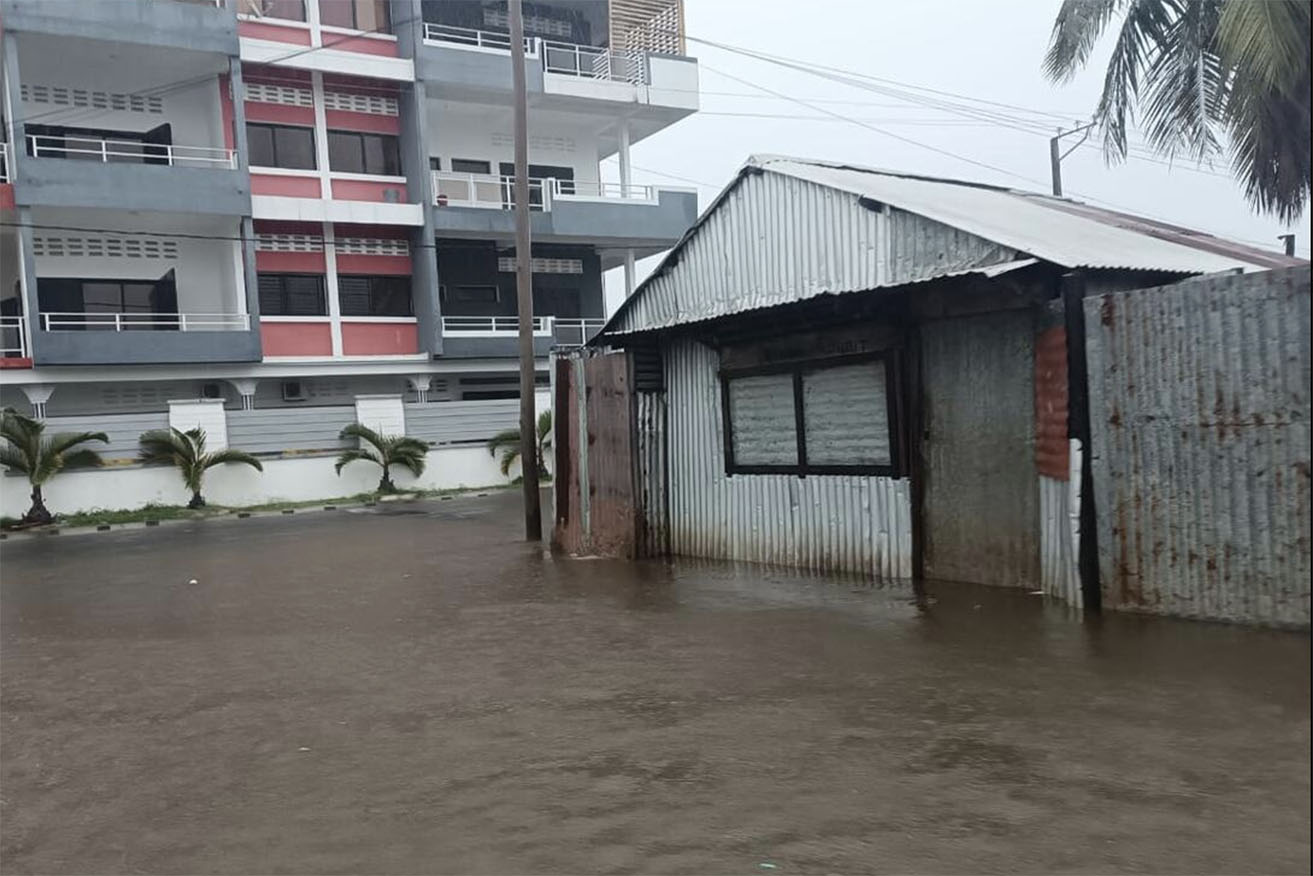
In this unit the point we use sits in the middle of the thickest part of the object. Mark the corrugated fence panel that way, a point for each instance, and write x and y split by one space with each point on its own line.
844 523
1199 404
463 421
613 502
123 430
652 473
277 430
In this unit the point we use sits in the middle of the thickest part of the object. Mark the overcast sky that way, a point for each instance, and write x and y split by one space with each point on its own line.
987 51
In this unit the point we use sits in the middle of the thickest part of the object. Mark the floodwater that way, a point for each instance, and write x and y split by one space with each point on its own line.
409 689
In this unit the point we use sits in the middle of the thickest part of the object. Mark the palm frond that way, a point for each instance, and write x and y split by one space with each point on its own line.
545 429
168 446
196 437
61 441
84 457
1076 30
361 432
14 460
504 438
411 461
508 457
231 454
1268 40
1185 84
406 444
356 454
1140 33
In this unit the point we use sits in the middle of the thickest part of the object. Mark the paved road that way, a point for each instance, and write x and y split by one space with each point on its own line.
409 690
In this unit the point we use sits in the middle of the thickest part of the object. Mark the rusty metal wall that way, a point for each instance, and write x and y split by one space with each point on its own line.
570 529
1051 457
847 523
612 499
653 532
1199 402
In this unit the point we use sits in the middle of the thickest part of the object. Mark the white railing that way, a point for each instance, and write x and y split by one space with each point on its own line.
479 39
610 190
592 62
498 192
119 322
124 151
13 340
5 162
576 332
492 326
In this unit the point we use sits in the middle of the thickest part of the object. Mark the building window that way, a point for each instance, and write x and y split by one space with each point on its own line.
280 146
77 304
366 15
819 417
356 152
292 295
470 294
290 10
469 165
374 296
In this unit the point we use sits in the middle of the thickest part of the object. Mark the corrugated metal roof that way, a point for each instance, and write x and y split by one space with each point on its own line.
786 229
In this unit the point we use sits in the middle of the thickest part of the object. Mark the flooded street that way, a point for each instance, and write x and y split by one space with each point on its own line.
410 689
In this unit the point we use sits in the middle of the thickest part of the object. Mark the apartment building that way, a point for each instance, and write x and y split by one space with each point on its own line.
296 203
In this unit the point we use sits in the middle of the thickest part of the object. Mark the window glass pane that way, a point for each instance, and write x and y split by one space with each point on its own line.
337 13
373 147
295 148
391 296
271 295
846 416
391 156
260 145
466 165
762 420
305 295
344 152
102 297
353 295
476 294
138 297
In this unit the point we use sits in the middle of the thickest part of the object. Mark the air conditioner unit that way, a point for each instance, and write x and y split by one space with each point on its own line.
392 196
211 390
293 391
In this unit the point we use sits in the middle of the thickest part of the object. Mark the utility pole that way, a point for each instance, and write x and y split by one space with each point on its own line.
1056 154
533 519
1289 241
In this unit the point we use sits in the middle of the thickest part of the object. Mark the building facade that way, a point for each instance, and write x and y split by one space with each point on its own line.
292 203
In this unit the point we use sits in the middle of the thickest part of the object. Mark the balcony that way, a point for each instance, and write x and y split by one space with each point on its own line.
312 337
498 336
565 211
69 338
198 25
78 171
13 343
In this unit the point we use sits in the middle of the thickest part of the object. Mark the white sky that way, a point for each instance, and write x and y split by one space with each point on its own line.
984 50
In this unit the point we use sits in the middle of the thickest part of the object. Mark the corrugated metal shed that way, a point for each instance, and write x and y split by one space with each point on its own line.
788 229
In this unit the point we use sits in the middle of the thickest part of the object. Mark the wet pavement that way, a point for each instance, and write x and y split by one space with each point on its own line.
409 689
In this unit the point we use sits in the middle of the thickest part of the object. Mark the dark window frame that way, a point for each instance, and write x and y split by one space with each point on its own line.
273 145
373 280
166 288
355 17
485 165
359 137
283 276
894 468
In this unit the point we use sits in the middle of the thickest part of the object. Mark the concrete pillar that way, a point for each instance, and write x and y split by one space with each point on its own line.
245 387
27 274
330 290
37 396
205 413
625 170
629 272
384 413
420 383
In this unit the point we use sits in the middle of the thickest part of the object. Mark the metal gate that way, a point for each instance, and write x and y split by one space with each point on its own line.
981 499
1199 410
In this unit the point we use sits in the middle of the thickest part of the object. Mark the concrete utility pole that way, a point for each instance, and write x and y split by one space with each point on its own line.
533 518
1056 154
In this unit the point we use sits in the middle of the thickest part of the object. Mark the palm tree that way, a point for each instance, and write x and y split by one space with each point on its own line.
1203 73
508 442
29 451
384 451
186 451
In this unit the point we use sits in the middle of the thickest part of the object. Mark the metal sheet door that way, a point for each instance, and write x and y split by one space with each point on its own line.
981 498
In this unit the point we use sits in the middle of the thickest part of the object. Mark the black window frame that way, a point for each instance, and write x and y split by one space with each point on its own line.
359 137
374 281
163 300
384 6
894 468
273 145
283 277
485 165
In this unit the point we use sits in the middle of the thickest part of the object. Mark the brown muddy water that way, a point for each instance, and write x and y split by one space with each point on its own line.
409 689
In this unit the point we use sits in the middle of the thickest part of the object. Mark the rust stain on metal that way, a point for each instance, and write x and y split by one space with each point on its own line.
1052 449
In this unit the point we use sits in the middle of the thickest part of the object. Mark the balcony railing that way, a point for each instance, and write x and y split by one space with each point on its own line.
498 192
13 344
4 162
566 331
576 332
128 151
123 322
479 39
592 62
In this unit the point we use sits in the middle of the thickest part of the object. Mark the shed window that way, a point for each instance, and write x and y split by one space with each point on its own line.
831 417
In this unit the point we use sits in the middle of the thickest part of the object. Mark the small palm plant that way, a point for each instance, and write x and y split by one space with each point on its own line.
31 452
384 451
508 442
186 451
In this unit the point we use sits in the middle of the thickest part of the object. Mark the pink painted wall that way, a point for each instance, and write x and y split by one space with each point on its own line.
364 190
291 262
6 196
344 120
286 186
264 30
364 45
373 264
379 338
279 114
296 338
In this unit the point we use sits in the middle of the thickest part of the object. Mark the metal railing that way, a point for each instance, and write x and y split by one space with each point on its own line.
5 161
13 340
491 326
498 192
593 62
480 39
120 322
128 151
576 332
